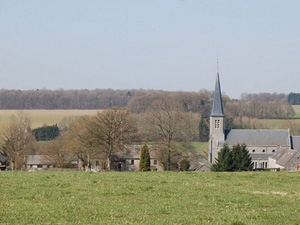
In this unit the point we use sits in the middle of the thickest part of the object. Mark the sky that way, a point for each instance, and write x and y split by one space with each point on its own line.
168 45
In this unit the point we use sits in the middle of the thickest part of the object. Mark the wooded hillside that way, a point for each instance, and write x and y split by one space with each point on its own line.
262 105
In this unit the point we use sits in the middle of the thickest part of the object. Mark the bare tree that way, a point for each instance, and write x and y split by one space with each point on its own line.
58 154
167 119
18 140
111 130
80 142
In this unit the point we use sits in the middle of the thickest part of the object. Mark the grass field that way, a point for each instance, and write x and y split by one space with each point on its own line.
149 198
201 147
297 110
51 117
41 117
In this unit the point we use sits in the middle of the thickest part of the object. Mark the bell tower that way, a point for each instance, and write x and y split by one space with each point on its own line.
217 123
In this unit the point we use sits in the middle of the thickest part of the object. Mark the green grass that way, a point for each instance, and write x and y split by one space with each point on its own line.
297 110
201 147
41 117
149 198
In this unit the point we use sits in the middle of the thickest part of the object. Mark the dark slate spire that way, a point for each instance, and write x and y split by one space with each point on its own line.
217 108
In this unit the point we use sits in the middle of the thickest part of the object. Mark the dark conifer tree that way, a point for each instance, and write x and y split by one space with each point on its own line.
144 159
224 161
235 159
203 130
241 158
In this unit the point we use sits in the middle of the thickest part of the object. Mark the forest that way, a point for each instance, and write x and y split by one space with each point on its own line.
263 105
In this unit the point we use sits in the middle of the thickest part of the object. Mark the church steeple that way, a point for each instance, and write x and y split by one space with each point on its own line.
217 108
217 123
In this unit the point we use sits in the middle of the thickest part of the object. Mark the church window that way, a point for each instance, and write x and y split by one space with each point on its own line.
273 150
263 150
255 165
266 165
217 124
253 150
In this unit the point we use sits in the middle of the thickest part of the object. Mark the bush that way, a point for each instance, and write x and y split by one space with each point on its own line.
184 165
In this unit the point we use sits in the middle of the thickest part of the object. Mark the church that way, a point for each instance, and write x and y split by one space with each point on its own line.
266 146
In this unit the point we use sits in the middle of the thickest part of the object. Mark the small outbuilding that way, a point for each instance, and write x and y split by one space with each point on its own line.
38 162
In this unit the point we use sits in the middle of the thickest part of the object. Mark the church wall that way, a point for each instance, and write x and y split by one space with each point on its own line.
273 164
260 164
268 149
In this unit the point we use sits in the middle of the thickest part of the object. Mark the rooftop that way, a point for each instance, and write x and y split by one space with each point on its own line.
217 108
257 137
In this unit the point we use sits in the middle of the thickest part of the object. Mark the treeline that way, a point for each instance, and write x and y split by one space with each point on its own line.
137 101
265 97
294 98
65 99
260 106
259 109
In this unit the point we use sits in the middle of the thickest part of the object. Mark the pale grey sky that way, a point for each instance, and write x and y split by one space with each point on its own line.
150 44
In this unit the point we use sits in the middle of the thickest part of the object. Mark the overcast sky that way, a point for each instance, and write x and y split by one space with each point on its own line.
151 44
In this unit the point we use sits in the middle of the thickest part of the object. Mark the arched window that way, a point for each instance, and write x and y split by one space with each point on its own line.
273 150
253 150
263 150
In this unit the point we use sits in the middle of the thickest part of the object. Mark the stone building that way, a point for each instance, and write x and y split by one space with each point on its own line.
38 162
285 159
261 143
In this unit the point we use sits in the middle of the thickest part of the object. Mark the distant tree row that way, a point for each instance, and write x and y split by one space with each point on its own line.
262 105
294 98
259 109
65 99
137 100
264 97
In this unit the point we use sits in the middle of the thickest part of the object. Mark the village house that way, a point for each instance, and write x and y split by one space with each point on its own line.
268 148
127 160
38 162
132 159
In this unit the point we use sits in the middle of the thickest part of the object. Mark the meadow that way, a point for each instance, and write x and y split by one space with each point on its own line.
149 198
43 117
51 117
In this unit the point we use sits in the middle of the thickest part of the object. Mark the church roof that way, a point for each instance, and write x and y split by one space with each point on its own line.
257 137
217 107
295 142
